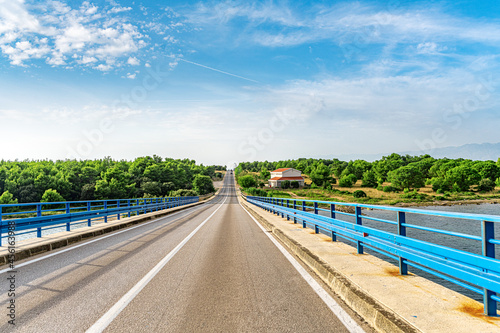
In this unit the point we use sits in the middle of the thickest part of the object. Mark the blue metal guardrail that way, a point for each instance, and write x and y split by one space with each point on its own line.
476 272
30 217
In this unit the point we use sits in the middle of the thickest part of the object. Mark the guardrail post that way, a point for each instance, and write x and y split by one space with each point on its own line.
403 267
128 207
287 206
332 215
282 205
488 233
359 221
89 221
304 209
316 208
106 207
38 214
294 208
68 210
118 206
1 225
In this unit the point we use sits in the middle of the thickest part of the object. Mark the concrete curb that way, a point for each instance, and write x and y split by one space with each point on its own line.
376 314
23 251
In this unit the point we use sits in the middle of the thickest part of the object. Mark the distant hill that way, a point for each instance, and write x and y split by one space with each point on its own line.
473 151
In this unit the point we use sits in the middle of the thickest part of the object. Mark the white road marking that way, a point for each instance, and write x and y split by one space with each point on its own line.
115 310
337 310
92 241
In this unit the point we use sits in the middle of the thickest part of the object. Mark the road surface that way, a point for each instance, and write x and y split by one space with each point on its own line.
209 268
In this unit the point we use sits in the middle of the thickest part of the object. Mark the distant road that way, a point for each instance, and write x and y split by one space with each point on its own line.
209 268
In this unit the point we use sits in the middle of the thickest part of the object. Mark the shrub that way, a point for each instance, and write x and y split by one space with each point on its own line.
486 185
285 184
348 180
183 193
51 195
369 179
256 192
294 184
389 189
247 181
359 194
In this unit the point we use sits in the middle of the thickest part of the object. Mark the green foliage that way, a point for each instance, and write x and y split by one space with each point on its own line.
183 193
408 176
359 194
389 189
7 198
414 195
247 181
256 192
498 179
321 175
203 184
348 180
51 195
285 184
403 171
486 185
369 179
74 180
264 173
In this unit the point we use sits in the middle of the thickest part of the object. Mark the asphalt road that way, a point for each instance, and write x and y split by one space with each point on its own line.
209 268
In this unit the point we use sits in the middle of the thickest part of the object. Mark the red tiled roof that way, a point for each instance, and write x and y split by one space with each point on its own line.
281 170
287 178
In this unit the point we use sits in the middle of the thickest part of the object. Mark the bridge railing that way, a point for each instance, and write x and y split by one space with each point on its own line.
479 273
19 219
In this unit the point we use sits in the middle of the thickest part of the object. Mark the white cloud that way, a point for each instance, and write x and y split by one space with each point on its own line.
133 61
55 31
131 76
115 10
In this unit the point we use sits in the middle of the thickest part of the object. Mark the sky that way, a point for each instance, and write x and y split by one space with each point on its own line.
228 81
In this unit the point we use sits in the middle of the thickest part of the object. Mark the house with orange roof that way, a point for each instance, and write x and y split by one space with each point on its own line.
290 174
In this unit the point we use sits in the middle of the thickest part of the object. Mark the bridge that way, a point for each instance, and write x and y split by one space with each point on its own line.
234 264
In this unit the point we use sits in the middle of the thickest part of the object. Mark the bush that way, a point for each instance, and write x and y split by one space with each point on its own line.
203 184
359 194
256 192
294 184
486 185
183 193
51 195
348 180
389 189
369 179
285 184
247 181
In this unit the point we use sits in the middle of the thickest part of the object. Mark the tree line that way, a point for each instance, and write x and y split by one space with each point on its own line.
71 180
401 171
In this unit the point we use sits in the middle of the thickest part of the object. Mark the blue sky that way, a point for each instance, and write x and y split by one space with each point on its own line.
229 81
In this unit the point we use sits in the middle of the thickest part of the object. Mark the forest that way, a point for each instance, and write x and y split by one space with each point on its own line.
71 180
403 172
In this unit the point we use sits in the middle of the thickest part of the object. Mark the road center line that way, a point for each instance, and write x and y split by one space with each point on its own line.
115 310
337 310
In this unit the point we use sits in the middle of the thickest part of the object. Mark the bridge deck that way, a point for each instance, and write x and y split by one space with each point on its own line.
209 268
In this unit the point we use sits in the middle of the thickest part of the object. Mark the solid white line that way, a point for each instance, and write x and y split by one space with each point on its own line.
337 310
92 241
115 310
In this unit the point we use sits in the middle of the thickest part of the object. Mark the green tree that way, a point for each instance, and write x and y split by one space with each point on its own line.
321 175
408 176
369 179
51 195
285 184
247 181
348 180
264 173
203 184
7 198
